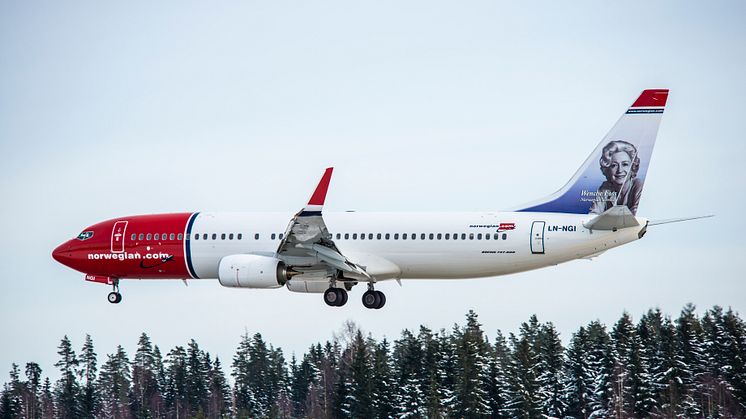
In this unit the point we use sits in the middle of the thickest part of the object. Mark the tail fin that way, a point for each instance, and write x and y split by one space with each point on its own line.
615 172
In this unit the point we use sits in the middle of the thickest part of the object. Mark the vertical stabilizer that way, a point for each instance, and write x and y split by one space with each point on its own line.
614 173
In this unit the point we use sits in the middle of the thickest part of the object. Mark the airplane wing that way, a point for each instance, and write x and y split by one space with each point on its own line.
307 242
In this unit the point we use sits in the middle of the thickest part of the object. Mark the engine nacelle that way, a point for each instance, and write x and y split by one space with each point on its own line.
252 271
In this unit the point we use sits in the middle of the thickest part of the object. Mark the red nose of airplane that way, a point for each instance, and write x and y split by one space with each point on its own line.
62 253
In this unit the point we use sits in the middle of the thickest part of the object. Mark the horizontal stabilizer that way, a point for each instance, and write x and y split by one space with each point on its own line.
614 218
676 220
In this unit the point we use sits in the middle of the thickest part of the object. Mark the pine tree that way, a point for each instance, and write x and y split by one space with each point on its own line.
472 351
601 371
577 381
47 400
114 385
382 380
195 388
524 371
245 403
360 396
146 397
175 393
407 363
32 401
550 366
691 361
87 373
67 387
219 405
11 400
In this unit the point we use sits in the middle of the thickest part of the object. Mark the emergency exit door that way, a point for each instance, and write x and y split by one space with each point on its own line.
117 236
537 237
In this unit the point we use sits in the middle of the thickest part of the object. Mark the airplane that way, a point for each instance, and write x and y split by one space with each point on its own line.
329 253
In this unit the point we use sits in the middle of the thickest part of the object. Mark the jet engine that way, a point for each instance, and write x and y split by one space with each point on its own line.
252 271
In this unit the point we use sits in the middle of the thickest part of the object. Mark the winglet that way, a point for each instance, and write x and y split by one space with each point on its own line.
319 195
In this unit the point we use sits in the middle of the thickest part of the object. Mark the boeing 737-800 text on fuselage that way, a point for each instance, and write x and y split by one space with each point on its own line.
330 253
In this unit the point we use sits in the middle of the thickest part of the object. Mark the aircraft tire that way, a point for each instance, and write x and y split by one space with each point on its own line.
343 297
371 299
381 298
332 298
114 297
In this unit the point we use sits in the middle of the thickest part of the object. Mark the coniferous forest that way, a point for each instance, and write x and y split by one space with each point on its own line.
689 366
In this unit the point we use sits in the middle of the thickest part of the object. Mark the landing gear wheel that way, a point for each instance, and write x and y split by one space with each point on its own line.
371 299
382 299
335 297
114 297
345 297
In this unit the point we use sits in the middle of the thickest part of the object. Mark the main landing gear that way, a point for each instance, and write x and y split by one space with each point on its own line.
373 299
337 297
115 297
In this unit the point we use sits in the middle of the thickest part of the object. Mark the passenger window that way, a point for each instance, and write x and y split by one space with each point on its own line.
134 236
388 236
256 236
463 236
471 236
339 236
487 236
505 236
396 236
158 237
347 236
370 236
239 236
448 236
431 236
414 236
362 236
354 236
422 236
404 236
439 236
214 236
273 236
497 236
281 235
455 236
479 236
222 236
163 236
378 236
204 236
187 236
141 236
230 236
148 237
196 237
180 236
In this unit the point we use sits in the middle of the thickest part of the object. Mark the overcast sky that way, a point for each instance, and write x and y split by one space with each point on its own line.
144 107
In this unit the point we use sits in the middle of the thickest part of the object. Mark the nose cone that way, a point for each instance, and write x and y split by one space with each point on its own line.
62 253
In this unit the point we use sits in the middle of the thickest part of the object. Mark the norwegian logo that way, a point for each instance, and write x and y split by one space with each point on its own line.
506 226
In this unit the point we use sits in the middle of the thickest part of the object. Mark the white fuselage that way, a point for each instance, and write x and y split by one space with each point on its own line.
480 249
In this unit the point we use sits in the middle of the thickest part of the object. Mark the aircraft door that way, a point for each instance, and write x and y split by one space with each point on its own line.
117 236
537 237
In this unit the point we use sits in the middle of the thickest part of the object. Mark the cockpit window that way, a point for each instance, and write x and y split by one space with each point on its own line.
85 235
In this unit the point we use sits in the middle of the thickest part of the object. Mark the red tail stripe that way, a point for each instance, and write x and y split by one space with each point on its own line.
319 195
652 97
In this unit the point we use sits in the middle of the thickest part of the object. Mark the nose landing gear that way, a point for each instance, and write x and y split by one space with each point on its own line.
115 297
